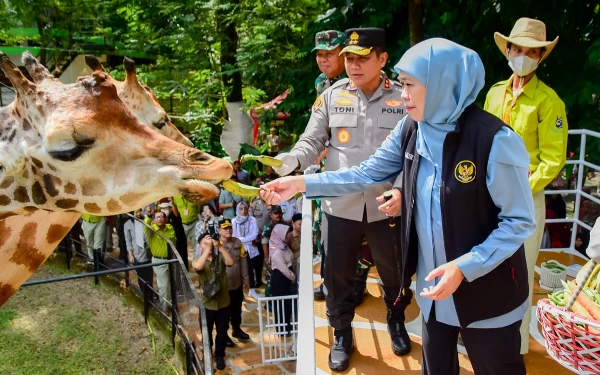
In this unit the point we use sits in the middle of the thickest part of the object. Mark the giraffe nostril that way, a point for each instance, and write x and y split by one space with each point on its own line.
199 156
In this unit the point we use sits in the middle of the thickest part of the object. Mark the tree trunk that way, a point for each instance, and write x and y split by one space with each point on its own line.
229 45
415 21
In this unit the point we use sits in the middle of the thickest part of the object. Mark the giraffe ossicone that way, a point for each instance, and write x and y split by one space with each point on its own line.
69 149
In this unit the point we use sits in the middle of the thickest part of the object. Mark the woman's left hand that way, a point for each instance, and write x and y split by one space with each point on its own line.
451 275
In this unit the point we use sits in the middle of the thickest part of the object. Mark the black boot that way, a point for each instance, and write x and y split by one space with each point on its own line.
360 285
319 294
398 333
339 355
230 343
239 334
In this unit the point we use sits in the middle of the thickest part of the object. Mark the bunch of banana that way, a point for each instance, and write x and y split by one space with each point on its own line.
266 160
593 282
241 190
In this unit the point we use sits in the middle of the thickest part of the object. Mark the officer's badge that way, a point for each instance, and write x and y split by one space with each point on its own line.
351 85
559 123
343 136
354 38
387 83
317 104
392 103
465 171
344 102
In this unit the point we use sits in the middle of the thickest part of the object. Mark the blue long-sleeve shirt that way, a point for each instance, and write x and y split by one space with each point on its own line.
506 179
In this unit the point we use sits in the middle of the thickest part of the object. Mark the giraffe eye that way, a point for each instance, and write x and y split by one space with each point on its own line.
161 124
72 153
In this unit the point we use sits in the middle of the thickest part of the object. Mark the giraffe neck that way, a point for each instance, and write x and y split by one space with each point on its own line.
26 241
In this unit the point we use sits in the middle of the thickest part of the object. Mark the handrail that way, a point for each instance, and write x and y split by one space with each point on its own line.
306 363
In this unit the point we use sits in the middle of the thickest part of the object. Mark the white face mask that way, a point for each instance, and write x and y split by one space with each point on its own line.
522 65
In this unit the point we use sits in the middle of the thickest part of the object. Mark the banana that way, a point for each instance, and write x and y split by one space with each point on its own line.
266 160
241 190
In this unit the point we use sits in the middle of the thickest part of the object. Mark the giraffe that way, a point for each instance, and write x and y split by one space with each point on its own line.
139 98
69 149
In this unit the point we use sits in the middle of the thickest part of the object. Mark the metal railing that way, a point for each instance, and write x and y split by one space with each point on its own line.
7 94
578 191
187 316
278 336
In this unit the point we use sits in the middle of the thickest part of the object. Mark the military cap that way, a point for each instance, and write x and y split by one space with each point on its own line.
275 209
225 223
328 40
362 41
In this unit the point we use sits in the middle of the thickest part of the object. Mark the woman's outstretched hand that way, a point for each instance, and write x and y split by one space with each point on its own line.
282 189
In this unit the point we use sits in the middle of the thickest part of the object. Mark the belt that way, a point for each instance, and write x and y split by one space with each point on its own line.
163 258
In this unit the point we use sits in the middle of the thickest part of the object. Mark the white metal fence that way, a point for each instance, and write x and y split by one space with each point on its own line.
278 338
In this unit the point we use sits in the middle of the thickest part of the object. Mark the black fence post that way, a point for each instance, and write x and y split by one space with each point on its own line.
147 295
96 265
188 357
68 253
173 301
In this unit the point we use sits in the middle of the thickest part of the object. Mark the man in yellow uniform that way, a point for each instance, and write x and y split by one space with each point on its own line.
94 232
188 212
536 113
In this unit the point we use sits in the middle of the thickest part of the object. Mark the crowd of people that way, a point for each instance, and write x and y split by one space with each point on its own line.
469 184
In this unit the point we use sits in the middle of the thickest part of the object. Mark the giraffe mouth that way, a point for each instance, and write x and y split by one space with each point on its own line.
197 191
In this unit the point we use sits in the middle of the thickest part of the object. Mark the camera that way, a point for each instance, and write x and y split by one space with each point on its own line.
213 233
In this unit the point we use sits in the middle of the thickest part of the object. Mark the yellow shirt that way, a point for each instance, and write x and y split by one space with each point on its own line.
539 118
187 210
92 218
158 246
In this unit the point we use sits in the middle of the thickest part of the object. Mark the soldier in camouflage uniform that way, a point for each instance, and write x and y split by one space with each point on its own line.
351 119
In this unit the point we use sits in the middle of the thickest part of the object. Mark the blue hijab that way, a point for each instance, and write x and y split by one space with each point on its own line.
452 74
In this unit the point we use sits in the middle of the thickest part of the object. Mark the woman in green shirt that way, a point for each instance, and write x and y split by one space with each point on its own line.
210 266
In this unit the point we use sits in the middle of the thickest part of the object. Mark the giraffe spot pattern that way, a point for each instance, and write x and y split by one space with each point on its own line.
52 168
7 182
70 188
12 135
92 208
130 199
113 205
5 292
20 195
26 125
5 232
4 200
50 184
37 193
66 203
26 253
37 163
91 187
56 232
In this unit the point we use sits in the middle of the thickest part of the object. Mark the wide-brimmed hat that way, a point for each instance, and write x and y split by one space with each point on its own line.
528 33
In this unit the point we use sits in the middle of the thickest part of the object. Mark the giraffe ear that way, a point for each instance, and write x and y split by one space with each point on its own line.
15 76
129 65
94 63
36 70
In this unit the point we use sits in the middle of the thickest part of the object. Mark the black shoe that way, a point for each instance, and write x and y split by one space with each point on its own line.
319 294
339 355
230 343
400 339
239 334
220 363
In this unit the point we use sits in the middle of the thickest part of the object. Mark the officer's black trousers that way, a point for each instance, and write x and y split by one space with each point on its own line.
492 351
342 244
236 298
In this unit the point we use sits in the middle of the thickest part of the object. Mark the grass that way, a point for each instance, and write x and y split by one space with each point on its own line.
74 328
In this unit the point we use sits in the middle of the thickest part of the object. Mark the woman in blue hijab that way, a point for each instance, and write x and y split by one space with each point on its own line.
466 209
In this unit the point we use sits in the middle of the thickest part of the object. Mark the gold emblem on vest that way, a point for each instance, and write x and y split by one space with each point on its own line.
344 102
465 171
343 136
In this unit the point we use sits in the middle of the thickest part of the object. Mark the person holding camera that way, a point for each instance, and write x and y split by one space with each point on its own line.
208 224
237 278
214 291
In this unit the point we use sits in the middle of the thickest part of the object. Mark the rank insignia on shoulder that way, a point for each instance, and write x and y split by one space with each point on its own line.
393 103
344 102
387 83
465 171
317 104
351 85
559 123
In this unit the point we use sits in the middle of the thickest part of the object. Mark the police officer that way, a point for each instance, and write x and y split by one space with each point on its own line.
328 45
355 115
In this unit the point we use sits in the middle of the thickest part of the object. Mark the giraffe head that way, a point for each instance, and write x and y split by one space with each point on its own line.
78 148
141 100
